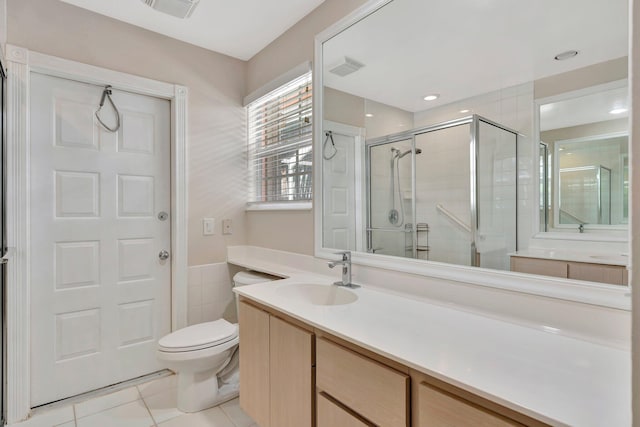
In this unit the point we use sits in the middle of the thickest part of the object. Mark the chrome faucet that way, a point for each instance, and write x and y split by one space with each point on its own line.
581 228
346 269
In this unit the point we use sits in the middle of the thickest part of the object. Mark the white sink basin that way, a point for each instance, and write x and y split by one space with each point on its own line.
318 294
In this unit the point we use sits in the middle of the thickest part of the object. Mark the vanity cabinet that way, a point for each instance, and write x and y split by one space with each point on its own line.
277 372
293 375
602 273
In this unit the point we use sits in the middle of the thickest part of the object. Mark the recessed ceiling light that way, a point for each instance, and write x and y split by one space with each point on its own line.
566 55
561 149
464 111
431 97
368 115
618 111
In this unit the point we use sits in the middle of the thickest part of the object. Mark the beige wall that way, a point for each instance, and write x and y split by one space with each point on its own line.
216 119
604 72
290 230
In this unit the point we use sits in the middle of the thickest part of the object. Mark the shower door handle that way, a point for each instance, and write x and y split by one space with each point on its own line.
163 255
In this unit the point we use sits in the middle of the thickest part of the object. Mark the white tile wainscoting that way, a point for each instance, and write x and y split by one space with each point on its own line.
145 405
209 293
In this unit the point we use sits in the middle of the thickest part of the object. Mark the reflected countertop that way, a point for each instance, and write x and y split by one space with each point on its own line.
557 379
610 258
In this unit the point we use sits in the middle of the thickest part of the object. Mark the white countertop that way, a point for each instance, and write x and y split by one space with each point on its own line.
576 256
551 377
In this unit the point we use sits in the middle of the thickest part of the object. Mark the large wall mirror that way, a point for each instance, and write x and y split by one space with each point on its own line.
467 134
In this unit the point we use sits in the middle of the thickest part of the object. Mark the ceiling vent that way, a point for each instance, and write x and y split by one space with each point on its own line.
177 8
346 67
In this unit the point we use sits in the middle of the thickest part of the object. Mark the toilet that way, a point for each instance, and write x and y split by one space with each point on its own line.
205 357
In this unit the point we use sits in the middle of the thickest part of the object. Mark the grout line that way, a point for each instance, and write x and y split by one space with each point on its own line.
144 402
75 418
228 416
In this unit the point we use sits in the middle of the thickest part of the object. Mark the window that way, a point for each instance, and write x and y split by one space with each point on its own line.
280 144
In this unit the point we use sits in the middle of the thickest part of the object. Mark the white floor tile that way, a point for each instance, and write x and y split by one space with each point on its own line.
163 405
213 417
48 418
134 414
99 404
69 424
158 386
236 414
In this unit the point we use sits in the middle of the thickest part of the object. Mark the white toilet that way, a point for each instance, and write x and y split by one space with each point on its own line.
205 355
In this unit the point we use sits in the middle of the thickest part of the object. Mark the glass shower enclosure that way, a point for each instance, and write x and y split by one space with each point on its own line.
445 192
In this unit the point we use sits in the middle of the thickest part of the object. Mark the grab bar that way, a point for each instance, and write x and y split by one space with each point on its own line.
457 221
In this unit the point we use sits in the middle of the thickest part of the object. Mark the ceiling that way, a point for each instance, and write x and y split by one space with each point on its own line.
463 48
592 108
238 28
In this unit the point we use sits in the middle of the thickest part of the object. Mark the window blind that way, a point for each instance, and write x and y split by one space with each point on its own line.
280 143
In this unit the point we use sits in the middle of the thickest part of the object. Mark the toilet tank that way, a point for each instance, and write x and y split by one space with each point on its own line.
244 278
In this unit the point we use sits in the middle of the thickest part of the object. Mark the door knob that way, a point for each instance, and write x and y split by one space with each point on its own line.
163 255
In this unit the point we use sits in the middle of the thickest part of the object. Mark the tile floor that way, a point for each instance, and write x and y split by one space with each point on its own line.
145 405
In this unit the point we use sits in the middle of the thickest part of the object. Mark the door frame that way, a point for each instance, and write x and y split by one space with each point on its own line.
20 63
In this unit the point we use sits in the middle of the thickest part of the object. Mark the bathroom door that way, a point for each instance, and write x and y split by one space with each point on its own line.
100 294
340 191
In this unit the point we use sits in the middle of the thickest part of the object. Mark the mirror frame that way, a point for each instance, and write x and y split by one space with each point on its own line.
612 296
611 233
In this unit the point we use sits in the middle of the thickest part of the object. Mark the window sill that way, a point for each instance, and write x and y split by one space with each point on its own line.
284 206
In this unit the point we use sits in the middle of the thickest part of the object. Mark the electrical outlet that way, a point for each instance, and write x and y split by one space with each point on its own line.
208 226
227 226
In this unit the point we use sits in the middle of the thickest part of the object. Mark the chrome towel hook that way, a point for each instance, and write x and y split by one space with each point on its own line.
106 94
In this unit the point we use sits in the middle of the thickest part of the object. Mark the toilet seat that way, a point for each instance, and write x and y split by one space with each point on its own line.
199 337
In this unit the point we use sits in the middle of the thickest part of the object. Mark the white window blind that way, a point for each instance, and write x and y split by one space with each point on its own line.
280 139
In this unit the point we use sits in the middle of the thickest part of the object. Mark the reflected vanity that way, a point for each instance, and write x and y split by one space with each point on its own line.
468 144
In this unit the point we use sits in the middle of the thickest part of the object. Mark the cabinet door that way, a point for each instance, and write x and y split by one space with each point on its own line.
597 272
332 415
291 375
437 408
545 267
254 363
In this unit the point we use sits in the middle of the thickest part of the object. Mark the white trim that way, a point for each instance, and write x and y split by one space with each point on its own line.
274 84
572 290
20 63
279 206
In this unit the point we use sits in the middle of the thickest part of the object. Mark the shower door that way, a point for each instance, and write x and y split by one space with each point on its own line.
443 195
390 202
100 291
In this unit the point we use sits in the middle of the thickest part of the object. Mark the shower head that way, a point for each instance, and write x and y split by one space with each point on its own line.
399 155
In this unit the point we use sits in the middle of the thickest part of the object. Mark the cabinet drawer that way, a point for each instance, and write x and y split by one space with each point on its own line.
597 272
544 267
437 408
378 393
332 415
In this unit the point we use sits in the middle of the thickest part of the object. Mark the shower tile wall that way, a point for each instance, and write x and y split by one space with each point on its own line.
209 293
511 107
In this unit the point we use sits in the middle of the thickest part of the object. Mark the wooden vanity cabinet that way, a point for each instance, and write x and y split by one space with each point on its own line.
601 273
292 375
277 372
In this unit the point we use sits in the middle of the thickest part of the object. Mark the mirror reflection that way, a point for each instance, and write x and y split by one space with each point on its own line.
450 142
585 140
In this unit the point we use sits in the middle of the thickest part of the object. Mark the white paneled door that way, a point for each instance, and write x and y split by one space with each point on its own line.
339 192
100 294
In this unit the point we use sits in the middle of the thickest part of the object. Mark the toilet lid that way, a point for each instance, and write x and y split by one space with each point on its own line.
197 337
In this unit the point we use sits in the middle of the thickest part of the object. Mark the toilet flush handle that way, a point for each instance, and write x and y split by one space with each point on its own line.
163 255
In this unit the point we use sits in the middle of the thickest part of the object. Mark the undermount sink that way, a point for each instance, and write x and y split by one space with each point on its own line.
318 294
